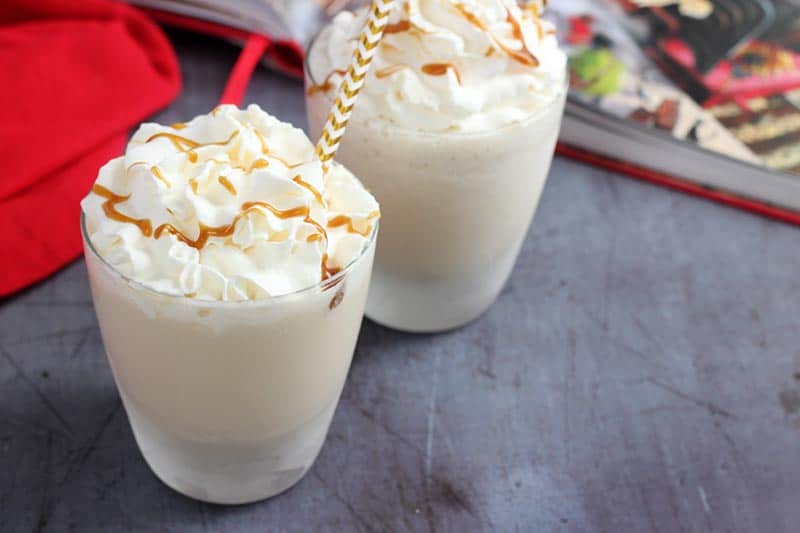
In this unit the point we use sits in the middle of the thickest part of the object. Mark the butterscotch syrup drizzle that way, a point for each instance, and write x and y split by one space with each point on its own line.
310 188
110 210
160 176
178 126
265 150
225 182
186 145
523 55
397 27
440 69
302 211
326 85
342 220
388 71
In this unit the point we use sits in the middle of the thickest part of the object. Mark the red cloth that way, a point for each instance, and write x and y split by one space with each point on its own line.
76 77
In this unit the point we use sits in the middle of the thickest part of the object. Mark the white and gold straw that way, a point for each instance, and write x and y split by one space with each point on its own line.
353 81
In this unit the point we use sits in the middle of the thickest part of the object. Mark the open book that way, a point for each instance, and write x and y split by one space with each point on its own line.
702 95
701 90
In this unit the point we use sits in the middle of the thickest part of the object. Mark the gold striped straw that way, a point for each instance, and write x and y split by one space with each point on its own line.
353 81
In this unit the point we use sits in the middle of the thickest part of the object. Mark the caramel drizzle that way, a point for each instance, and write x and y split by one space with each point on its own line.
158 174
326 85
317 196
523 56
328 272
225 182
397 27
302 211
178 126
110 210
259 163
186 145
206 232
342 220
440 69
388 71
265 150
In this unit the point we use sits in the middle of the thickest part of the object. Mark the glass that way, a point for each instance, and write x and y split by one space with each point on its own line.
455 208
229 402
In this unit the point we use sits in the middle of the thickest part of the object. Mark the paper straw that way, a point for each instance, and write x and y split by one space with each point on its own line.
353 81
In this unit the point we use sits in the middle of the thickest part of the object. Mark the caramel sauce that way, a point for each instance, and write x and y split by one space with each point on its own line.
489 52
110 210
523 56
178 126
225 182
326 271
342 220
206 232
388 71
265 150
301 211
310 188
186 145
158 174
398 27
471 17
181 143
337 299
326 85
440 69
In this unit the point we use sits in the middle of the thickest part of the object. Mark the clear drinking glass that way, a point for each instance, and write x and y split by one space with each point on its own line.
229 402
455 208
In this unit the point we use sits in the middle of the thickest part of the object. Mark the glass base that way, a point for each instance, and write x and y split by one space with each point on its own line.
234 473
429 304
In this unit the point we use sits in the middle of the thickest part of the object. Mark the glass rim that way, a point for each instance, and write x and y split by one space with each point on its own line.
557 97
320 287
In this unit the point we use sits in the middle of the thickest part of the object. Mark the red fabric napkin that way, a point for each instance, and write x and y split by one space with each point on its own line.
76 77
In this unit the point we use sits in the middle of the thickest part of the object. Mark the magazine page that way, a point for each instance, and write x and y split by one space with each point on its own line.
609 70
737 59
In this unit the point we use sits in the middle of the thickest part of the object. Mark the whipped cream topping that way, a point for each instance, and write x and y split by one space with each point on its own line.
230 206
449 65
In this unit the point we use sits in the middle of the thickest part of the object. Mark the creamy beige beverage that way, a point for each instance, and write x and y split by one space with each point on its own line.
229 279
454 133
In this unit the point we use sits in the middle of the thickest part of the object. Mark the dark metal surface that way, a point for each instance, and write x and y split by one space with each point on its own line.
641 372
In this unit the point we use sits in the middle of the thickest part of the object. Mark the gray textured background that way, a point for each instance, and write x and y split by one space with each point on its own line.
641 372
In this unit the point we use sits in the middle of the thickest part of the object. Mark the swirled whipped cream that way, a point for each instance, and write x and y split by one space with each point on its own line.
230 206
449 65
